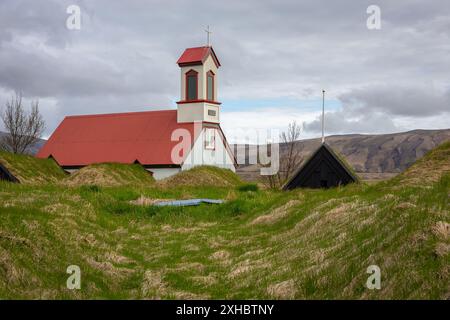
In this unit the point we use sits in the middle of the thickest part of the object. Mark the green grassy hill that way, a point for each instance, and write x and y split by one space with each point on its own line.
312 244
28 169
110 174
203 176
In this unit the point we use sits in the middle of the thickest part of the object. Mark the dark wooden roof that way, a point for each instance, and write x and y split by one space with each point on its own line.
324 169
6 175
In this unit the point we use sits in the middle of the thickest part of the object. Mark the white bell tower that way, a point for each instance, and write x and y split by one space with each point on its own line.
198 99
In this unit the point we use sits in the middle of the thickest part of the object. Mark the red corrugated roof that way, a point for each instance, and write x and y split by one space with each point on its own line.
119 137
198 55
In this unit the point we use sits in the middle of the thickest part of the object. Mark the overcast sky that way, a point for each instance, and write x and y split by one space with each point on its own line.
276 57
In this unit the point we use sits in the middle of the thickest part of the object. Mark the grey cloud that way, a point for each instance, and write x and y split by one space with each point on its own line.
340 122
394 100
44 19
124 56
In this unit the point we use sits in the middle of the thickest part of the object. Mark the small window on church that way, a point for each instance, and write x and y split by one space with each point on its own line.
210 86
191 85
210 139
211 113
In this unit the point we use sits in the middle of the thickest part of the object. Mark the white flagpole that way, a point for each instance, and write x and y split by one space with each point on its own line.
323 116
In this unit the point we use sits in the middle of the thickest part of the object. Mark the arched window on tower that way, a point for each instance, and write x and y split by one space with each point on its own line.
191 85
210 86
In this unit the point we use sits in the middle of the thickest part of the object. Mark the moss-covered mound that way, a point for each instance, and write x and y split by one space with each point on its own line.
110 174
429 169
28 169
203 176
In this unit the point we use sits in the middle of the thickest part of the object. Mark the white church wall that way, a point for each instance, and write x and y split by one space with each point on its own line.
218 157
190 112
161 173
198 111
209 117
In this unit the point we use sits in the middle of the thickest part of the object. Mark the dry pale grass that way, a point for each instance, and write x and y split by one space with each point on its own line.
442 249
282 290
109 174
184 295
153 286
167 228
189 266
15 239
144 201
114 257
248 266
205 280
221 256
108 268
59 208
239 270
191 247
276 214
21 201
441 230
405 206
92 175
9 273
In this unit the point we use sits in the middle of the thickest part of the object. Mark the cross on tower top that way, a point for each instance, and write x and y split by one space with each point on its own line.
207 36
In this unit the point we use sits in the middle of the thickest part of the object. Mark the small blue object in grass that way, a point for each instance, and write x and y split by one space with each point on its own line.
190 202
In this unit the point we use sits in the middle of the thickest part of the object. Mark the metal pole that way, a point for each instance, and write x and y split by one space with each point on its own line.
323 116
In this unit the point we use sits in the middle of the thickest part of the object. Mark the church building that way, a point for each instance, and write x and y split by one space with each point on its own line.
164 142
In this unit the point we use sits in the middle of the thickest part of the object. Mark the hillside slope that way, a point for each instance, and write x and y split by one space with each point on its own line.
428 169
308 244
372 156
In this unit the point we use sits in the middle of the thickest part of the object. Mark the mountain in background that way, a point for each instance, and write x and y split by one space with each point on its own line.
372 156
34 148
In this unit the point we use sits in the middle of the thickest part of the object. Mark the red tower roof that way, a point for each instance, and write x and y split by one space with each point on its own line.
198 55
